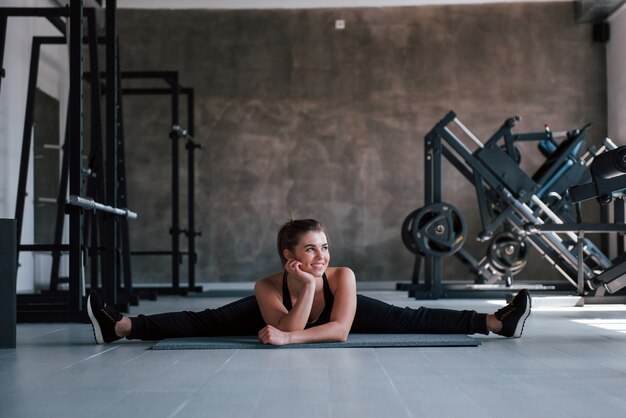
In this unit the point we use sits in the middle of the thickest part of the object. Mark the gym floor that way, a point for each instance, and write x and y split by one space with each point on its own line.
570 362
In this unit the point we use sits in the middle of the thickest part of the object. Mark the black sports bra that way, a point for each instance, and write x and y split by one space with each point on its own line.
324 317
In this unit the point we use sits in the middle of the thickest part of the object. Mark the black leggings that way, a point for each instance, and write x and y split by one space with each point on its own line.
243 317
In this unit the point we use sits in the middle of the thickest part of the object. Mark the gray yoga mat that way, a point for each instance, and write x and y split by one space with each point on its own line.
223 293
354 341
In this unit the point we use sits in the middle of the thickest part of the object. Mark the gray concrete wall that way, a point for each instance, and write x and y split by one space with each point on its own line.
299 118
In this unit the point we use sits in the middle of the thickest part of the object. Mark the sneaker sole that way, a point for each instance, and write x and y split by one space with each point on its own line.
520 324
97 332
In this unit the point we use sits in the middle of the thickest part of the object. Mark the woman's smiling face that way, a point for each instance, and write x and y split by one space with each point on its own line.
312 252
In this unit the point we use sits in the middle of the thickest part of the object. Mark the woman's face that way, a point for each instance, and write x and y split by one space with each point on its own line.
312 252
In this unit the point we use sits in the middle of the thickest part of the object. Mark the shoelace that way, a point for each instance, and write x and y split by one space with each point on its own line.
505 311
105 311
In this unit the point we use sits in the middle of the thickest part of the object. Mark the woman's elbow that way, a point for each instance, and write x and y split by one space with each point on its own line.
342 335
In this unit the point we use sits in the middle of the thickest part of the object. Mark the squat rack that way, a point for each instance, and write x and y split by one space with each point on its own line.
174 89
71 307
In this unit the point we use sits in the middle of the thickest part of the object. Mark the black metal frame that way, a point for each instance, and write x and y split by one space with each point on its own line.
70 306
174 90
499 182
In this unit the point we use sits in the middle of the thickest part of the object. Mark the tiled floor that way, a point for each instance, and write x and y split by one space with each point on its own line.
571 362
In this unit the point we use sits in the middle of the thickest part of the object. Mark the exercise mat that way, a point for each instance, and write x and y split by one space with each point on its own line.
223 293
354 341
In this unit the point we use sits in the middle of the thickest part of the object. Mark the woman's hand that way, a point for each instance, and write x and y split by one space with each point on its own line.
293 267
273 336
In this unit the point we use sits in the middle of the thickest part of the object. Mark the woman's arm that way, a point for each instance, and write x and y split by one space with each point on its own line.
269 298
340 323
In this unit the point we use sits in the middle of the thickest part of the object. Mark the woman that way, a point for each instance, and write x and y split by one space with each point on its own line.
308 302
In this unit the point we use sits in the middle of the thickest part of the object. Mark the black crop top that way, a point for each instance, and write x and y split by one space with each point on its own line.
324 317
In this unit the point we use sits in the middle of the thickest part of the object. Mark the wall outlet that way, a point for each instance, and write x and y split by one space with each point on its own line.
340 24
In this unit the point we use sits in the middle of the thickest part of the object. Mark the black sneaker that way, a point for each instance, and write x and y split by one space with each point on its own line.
514 315
103 319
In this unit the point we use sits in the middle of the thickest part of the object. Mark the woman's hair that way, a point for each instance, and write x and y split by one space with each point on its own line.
290 233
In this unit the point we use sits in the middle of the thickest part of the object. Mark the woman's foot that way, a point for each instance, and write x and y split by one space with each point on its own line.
513 316
103 319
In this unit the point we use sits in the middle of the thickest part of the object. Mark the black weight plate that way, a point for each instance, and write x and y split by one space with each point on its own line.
439 229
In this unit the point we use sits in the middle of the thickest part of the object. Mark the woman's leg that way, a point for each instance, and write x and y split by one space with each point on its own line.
375 316
241 317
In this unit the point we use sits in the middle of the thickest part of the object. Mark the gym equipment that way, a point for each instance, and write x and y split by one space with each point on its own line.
176 135
508 200
69 305
8 277
608 171
438 229
89 204
507 254
354 341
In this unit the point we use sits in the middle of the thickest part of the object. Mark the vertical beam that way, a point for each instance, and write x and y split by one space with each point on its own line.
3 36
95 183
26 135
75 151
429 182
605 238
110 280
8 277
175 230
618 218
191 217
61 196
123 194
436 262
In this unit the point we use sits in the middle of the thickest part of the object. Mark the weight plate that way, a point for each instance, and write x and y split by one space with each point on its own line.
438 229
508 253
407 233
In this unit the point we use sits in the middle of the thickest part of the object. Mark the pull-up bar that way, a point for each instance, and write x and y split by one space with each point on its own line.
90 204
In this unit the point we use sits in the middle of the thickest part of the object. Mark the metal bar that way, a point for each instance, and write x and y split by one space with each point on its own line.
58 23
3 36
122 195
90 204
44 247
458 141
50 40
155 91
157 252
8 280
552 239
60 218
604 219
612 279
35 11
469 133
146 91
95 184
458 164
587 228
619 211
191 216
553 216
429 178
581 264
75 149
175 231
436 262
27 135
109 284
171 75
